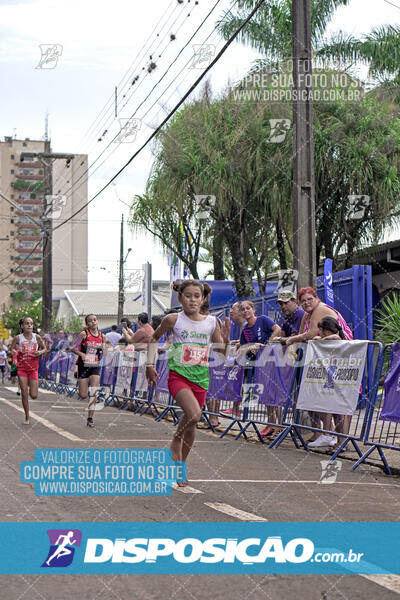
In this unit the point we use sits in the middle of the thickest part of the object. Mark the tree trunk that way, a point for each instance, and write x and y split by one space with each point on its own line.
240 271
280 244
218 256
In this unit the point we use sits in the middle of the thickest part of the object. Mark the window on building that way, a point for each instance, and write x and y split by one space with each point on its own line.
26 244
12 171
12 157
11 232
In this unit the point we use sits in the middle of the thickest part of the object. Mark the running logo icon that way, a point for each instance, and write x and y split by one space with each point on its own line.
329 384
61 551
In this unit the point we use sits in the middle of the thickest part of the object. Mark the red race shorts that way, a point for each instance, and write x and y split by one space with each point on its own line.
30 375
178 382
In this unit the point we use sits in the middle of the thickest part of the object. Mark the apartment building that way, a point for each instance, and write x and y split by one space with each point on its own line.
22 180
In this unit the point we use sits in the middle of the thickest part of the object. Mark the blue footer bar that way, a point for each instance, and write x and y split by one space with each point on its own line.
227 548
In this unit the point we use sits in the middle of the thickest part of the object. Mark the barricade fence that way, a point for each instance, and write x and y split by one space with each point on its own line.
322 387
383 426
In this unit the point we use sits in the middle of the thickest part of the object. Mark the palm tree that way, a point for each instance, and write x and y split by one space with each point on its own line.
270 32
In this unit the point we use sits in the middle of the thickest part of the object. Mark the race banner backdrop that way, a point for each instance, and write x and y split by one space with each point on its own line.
391 403
332 375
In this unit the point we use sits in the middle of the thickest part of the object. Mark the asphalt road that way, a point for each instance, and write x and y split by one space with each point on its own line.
229 481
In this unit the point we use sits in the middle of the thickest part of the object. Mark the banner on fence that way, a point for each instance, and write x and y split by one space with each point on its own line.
225 380
126 365
141 381
274 375
332 375
391 404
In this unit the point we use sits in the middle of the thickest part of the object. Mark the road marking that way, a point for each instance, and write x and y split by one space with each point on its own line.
234 512
46 423
186 490
164 441
290 481
391 582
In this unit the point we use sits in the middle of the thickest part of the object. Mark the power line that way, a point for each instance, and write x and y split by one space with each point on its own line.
167 118
134 66
133 114
391 3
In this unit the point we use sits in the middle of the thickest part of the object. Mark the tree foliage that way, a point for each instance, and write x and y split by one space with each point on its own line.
225 147
11 316
388 320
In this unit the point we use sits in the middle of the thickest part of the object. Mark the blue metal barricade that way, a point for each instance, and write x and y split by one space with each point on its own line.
383 427
346 427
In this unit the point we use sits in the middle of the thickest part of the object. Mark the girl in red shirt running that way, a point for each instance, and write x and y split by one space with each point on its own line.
89 353
29 347
188 379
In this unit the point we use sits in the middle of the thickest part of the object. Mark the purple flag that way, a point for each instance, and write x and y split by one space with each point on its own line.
391 404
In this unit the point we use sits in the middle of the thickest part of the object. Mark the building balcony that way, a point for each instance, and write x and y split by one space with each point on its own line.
29 274
35 214
29 165
20 176
30 200
27 238
35 252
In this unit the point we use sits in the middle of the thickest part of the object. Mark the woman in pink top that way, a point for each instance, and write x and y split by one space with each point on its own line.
316 311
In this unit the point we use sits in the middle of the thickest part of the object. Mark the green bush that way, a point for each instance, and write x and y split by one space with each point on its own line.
389 320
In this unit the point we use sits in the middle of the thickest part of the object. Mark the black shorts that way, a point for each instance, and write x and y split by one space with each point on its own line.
86 372
2 368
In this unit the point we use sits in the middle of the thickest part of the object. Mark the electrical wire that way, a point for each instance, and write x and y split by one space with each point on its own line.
156 84
128 75
172 112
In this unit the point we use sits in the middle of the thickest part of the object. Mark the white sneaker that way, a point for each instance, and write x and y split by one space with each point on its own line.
323 440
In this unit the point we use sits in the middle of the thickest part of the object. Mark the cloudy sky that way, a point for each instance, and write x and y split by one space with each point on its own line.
103 45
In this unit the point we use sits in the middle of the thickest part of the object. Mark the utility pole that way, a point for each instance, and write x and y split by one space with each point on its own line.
121 285
47 158
303 146
121 292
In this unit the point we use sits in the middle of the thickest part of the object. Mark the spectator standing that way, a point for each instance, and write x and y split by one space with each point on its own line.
113 335
3 363
141 338
292 312
258 331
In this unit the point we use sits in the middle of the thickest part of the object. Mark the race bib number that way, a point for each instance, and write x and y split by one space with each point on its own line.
91 357
29 349
194 355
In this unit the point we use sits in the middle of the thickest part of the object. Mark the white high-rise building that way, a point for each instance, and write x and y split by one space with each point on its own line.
23 182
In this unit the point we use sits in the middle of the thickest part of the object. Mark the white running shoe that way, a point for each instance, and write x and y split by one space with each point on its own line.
323 440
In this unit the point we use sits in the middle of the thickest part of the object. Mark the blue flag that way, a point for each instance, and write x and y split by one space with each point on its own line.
328 282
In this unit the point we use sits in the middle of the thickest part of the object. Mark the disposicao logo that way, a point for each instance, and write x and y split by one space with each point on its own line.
61 551
190 550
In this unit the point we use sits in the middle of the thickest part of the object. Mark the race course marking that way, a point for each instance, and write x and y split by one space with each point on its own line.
46 423
391 582
186 490
234 512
